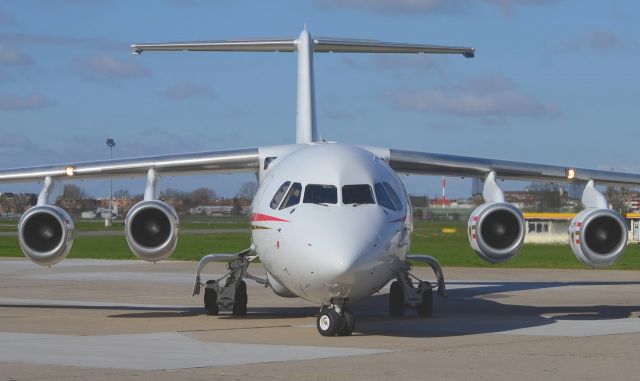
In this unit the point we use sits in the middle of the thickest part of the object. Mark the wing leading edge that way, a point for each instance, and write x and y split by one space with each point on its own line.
228 161
426 163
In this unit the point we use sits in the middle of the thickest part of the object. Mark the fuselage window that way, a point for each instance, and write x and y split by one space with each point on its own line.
320 194
383 197
275 201
293 196
394 196
357 194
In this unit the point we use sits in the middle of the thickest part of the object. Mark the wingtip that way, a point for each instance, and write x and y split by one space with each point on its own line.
135 49
469 53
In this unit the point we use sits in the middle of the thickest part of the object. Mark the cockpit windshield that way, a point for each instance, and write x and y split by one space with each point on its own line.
357 194
293 196
387 197
320 194
275 201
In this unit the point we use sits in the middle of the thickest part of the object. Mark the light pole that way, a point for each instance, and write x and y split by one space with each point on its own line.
110 143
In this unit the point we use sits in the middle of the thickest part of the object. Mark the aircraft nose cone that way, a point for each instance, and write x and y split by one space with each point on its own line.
345 258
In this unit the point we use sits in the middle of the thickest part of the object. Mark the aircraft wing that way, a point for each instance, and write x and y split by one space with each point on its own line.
427 163
228 161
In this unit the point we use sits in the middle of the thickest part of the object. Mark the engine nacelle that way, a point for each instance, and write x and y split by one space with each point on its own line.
598 237
45 233
151 228
496 231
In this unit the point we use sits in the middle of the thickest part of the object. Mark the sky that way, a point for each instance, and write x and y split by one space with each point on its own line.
553 81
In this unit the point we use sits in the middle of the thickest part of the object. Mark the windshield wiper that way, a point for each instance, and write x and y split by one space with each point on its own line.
321 203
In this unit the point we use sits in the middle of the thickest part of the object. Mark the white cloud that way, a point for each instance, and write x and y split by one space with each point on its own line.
6 18
12 56
428 6
185 90
596 40
108 67
401 6
57 40
16 102
494 97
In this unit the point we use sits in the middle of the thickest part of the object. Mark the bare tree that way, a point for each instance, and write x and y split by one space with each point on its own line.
549 195
183 201
74 199
73 192
121 193
175 198
617 198
202 196
248 190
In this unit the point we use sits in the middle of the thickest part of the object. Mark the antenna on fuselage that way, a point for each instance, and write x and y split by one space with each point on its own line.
305 45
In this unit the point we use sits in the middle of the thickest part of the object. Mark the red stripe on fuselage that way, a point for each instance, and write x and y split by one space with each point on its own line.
265 217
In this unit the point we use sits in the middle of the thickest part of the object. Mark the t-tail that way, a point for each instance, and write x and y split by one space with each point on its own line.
305 45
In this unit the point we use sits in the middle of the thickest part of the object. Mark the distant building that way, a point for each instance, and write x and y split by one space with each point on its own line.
120 205
547 227
632 202
554 227
219 210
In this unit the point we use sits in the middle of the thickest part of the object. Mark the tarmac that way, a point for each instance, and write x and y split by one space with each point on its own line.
124 320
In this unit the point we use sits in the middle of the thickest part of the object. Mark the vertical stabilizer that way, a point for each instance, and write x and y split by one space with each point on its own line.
305 45
306 130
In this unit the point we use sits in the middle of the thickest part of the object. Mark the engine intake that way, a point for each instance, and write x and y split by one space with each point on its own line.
598 237
45 234
151 228
496 231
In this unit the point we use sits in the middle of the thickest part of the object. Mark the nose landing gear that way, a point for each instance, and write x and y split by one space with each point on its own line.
404 293
335 319
230 294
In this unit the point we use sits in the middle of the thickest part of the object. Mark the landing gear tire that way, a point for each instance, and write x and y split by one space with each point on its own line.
241 298
328 322
426 308
348 323
210 301
396 299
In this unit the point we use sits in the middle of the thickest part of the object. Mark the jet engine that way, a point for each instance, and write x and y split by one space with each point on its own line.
598 237
496 231
151 228
45 233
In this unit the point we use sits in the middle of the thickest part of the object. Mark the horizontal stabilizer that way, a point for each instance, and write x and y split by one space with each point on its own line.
371 46
321 45
284 45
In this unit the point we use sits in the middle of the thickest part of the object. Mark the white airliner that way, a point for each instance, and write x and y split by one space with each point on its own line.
331 222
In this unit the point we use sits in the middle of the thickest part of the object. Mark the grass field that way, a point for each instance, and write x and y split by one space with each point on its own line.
450 249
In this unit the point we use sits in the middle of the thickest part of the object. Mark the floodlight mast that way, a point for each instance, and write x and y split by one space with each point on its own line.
110 143
305 45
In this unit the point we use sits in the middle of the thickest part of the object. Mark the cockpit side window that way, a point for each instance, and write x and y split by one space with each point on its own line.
320 194
293 196
382 197
275 201
357 194
394 196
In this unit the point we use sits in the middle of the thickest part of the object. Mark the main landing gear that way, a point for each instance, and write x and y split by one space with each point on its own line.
228 293
335 319
405 293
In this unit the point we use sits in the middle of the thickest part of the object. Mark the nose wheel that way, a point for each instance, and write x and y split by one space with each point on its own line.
330 322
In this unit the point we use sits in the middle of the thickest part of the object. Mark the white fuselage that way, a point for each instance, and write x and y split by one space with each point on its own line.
330 221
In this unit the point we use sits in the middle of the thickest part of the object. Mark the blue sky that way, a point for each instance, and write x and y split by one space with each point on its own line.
552 82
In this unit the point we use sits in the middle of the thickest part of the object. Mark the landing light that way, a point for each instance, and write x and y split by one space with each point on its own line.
69 171
571 173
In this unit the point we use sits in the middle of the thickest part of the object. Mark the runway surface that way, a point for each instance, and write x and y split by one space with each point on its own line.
96 319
